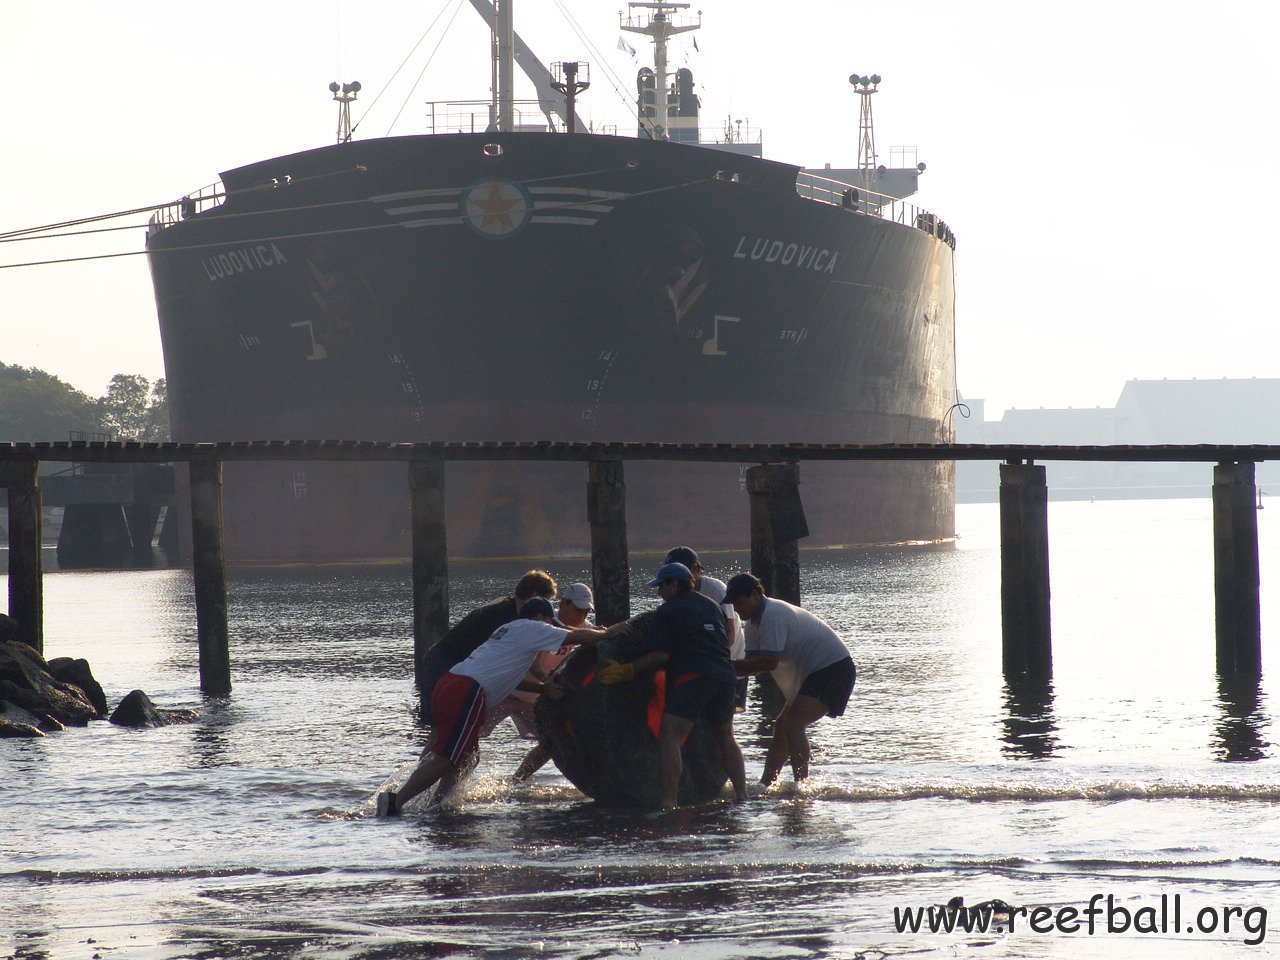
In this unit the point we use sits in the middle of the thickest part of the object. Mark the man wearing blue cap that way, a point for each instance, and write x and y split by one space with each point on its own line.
687 638
715 589
488 676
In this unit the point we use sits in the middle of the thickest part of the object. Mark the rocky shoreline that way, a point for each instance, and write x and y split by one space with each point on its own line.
39 696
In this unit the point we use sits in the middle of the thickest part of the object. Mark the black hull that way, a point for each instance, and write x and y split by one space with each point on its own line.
571 288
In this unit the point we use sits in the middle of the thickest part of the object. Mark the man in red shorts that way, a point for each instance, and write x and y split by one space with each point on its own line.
488 676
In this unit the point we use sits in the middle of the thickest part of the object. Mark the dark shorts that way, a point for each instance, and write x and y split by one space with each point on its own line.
457 714
695 697
832 685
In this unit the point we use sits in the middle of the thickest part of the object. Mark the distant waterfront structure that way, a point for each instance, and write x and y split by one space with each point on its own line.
1147 412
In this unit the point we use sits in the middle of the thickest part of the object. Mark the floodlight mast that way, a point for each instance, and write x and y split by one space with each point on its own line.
865 87
344 93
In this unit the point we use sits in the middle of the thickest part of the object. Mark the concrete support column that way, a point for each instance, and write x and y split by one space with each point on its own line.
210 574
777 524
1235 570
610 565
1024 571
26 572
430 558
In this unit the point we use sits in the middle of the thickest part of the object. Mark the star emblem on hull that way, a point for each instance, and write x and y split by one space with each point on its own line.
496 209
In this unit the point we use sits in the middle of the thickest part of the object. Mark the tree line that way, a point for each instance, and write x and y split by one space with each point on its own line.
36 405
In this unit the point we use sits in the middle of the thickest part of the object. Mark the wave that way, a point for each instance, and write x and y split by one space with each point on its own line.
975 792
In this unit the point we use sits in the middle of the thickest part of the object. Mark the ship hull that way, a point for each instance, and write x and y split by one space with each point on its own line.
551 287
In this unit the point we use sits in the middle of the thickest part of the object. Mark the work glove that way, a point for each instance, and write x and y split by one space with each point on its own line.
615 672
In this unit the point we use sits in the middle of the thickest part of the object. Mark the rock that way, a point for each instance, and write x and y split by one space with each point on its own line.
8 628
604 738
9 729
77 673
26 681
137 710
15 714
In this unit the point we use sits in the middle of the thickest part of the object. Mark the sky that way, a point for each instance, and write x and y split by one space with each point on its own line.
1109 168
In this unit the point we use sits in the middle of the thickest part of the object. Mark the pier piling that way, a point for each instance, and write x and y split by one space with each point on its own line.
26 574
777 524
1235 570
1024 571
607 514
210 575
430 558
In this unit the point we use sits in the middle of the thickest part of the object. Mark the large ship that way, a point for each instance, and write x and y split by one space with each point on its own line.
529 281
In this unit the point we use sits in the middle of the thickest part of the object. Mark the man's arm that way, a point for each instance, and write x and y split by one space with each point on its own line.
755 663
615 672
586 635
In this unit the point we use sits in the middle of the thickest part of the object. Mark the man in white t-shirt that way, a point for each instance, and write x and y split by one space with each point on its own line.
715 589
493 671
808 660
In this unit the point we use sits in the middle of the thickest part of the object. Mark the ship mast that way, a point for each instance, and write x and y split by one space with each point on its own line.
658 25
502 111
865 87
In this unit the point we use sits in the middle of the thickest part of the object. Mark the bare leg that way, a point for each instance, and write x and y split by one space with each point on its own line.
670 762
428 771
533 761
779 749
801 712
731 757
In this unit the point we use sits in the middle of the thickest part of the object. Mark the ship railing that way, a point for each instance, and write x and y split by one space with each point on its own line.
869 202
188 206
474 116
733 131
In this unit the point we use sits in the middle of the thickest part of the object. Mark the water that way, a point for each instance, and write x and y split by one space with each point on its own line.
247 833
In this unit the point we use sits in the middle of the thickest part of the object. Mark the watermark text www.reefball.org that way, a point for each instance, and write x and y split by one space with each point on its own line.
1101 916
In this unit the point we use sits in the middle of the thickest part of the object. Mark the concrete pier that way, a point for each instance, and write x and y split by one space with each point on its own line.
430 557
1235 570
1024 571
777 522
26 572
209 571
777 525
610 565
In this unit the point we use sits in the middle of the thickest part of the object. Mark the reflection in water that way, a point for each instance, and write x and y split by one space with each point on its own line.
1239 726
211 745
1030 729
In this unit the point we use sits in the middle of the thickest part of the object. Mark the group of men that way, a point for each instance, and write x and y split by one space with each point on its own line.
708 636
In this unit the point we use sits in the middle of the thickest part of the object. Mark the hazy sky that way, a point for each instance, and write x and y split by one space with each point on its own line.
1109 168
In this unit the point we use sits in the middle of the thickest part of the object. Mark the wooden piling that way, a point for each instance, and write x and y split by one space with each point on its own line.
777 524
1024 571
1235 570
610 566
430 558
26 575
210 575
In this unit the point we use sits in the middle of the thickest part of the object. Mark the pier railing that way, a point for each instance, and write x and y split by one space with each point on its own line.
776 522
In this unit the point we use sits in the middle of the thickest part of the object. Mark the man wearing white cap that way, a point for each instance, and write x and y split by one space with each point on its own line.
576 604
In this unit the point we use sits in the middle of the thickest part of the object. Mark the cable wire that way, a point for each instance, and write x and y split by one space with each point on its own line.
412 89
387 86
